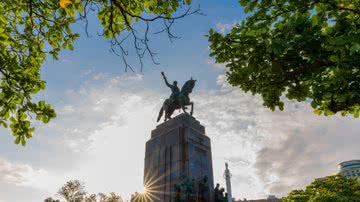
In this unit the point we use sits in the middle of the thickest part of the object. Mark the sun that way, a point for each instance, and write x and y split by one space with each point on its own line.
151 188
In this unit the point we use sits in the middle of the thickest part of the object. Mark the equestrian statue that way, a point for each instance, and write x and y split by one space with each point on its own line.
179 99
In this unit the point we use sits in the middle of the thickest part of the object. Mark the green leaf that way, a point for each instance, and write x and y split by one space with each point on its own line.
17 140
45 119
318 111
333 58
41 104
355 48
39 117
356 114
315 20
23 116
313 104
71 47
23 141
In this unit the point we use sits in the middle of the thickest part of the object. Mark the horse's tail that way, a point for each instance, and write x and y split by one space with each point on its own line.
160 113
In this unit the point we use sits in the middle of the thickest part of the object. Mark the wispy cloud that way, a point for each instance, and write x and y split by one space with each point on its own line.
99 76
15 173
212 63
307 152
103 125
19 174
224 27
65 60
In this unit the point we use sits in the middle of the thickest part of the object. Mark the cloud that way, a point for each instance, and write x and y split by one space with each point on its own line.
310 151
273 152
101 128
89 108
18 174
100 133
13 193
67 109
99 76
260 145
224 27
86 71
15 173
106 126
212 63
64 60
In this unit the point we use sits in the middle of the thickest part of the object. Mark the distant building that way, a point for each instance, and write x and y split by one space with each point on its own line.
272 197
350 168
321 179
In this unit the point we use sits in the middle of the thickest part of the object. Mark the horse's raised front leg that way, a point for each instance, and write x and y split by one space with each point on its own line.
192 108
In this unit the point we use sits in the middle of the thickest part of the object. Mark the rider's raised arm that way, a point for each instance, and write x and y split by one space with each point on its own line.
166 82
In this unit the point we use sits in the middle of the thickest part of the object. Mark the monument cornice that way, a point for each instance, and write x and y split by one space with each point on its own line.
182 120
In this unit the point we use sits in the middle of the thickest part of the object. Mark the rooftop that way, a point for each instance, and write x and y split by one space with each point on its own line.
345 164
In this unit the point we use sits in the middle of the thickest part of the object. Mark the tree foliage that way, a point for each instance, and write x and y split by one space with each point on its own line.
335 188
306 50
74 191
51 200
32 30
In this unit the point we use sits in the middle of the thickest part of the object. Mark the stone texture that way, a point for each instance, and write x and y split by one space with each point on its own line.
178 147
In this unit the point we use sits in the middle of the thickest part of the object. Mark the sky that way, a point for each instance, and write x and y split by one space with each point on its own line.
105 116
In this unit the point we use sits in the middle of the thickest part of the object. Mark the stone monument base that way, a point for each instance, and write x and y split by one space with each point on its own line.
178 162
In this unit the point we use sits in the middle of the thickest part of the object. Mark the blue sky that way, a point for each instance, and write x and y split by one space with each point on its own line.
105 117
183 57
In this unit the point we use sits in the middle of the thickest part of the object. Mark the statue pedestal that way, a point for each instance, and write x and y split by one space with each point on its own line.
178 150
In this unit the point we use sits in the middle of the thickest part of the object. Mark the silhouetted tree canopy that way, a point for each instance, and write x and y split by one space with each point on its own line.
333 188
307 51
74 191
32 30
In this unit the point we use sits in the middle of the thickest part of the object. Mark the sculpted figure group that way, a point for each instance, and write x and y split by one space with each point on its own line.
185 191
219 194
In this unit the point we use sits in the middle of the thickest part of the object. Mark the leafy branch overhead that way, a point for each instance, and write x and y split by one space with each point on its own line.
303 50
32 30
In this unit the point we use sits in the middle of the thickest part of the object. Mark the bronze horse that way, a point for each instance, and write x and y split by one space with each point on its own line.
179 102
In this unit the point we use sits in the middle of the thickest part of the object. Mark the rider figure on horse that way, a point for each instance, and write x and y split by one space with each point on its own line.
178 99
175 91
